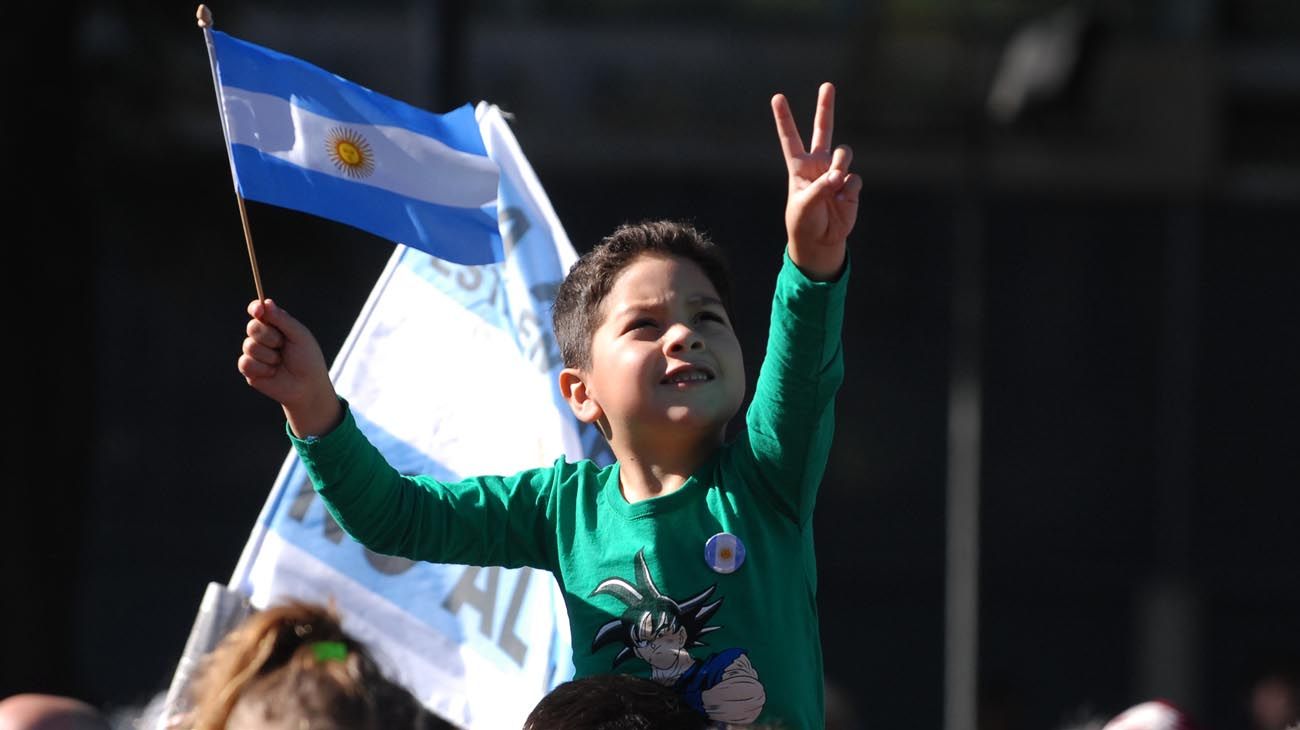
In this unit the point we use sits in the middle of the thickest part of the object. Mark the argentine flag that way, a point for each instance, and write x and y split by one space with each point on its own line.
302 138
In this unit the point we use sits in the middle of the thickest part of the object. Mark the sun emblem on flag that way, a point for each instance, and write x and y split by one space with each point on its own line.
350 152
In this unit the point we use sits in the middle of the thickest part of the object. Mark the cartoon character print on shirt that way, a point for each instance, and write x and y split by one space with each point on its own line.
658 630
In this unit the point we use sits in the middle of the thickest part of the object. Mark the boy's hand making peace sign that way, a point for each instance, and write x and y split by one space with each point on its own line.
822 204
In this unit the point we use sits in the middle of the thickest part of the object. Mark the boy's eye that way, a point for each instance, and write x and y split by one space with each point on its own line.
711 316
640 324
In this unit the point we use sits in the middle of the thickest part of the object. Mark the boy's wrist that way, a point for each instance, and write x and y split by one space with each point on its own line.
819 264
311 421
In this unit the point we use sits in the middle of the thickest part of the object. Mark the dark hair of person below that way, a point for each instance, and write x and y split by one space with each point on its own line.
292 666
577 312
613 702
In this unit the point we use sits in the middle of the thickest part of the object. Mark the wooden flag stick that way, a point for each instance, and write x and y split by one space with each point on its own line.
252 255
204 17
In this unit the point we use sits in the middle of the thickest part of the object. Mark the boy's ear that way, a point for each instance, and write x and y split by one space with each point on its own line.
574 389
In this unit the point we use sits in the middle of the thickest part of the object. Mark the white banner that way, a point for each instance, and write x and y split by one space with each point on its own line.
451 371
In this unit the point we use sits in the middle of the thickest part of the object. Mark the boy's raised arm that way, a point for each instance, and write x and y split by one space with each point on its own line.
822 203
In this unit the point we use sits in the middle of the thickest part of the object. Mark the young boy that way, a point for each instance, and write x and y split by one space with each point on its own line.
684 542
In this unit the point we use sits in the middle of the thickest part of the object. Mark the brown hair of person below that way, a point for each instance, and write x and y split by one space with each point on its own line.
293 666
613 702
577 312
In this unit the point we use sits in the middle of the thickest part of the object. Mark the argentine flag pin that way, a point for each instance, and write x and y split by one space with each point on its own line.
724 552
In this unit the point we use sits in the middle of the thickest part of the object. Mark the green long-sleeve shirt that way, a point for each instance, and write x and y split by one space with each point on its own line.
643 583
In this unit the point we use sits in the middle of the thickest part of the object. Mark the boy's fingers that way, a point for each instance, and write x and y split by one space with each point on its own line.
852 187
264 333
836 183
786 129
824 122
829 181
292 329
252 369
841 159
260 352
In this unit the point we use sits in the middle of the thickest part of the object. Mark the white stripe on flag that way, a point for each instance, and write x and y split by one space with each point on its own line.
725 554
405 162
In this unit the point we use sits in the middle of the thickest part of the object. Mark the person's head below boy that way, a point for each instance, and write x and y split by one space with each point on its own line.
613 702
644 325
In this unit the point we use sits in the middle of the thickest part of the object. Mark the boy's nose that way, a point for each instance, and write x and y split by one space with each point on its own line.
680 337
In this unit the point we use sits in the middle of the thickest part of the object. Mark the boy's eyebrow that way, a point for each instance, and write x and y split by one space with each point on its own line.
643 304
705 299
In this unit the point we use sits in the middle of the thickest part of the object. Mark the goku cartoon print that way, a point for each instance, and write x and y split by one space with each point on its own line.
661 632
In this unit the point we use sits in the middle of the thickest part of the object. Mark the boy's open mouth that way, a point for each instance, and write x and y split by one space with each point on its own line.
687 374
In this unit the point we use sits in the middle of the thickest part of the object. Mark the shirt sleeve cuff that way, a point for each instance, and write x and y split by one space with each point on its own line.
789 263
310 443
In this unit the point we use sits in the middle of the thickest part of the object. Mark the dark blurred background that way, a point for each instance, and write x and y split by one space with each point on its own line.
1081 224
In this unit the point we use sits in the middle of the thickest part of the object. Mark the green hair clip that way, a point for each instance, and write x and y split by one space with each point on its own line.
330 651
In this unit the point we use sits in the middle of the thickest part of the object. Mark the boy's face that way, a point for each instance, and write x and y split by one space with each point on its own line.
665 354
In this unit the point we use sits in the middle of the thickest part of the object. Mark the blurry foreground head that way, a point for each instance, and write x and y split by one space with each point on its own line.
1153 715
613 702
1275 701
292 667
48 712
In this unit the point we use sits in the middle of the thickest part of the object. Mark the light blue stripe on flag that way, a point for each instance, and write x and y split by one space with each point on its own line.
251 67
306 139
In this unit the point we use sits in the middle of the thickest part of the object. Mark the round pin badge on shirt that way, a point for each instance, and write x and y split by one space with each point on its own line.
724 552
